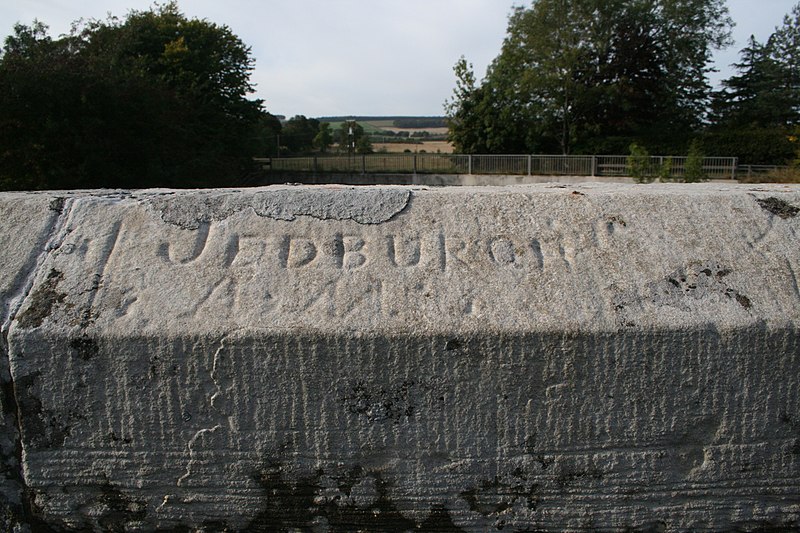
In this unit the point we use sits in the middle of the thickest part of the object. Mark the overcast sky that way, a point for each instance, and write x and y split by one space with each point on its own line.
361 57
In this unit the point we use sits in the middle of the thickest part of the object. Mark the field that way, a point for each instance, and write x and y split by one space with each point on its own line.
369 128
376 125
430 147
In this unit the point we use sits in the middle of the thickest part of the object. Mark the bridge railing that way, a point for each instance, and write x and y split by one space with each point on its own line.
550 165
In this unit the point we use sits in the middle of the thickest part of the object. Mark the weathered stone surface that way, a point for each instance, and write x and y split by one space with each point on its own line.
333 359
28 221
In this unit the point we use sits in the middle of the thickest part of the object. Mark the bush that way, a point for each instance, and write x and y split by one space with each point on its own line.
665 170
752 146
693 171
638 164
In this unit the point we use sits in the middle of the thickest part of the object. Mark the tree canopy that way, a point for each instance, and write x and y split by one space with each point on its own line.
756 115
154 99
577 76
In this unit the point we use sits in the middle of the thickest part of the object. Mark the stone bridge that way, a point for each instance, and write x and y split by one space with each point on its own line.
537 358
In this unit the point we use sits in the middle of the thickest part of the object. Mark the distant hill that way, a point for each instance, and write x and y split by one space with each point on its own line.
403 122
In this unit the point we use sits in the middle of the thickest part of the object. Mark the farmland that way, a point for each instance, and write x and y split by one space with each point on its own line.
400 134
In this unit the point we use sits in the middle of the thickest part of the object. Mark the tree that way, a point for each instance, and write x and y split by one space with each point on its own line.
573 74
638 164
155 99
364 145
693 171
299 133
269 133
324 137
756 113
784 46
462 110
348 136
756 96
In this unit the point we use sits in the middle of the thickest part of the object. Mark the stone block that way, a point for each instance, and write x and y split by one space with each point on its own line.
548 357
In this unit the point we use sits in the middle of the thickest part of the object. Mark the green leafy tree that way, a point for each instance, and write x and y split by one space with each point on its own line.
324 137
755 115
693 170
665 169
574 74
638 164
364 145
756 96
156 99
785 48
465 115
269 135
348 136
298 134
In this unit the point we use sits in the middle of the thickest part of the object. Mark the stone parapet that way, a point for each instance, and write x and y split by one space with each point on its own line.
543 357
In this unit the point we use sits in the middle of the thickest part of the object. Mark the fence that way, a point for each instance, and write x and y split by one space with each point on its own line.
550 165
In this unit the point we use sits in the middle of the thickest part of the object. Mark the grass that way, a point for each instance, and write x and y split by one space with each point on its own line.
780 175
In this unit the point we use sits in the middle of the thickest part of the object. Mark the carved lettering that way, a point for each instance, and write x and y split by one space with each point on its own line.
338 299
353 257
297 252
403 252
501 251
199 245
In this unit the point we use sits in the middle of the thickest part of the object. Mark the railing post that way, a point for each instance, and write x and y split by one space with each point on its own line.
314 165
594 166
469 164
415 164
363 164
530 164
733 168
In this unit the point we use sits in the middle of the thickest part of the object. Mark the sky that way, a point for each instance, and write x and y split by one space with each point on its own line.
362 57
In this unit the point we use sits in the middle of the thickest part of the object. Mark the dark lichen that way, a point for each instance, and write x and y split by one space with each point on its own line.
42 301
57 204
118 511
439 521
294 504
41 428
378 403
778 207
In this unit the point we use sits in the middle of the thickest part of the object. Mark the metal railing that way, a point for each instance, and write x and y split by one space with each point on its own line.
758 170
547 165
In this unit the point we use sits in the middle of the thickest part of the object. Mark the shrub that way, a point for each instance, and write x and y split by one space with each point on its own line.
638 164
693 171
665 170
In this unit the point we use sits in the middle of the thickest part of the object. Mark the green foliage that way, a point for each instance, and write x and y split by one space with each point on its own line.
665 170
574 72
754 98
155 99
693 170
298 135
755 113
269 133
638 164
348 137
753 146
324 138
364 145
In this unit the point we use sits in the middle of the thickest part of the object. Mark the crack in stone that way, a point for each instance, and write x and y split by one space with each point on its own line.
223 418
190 446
